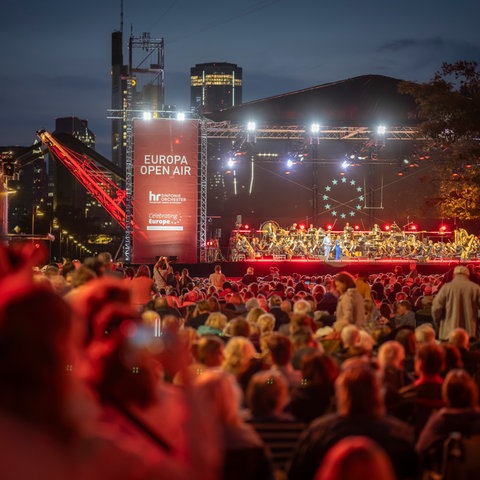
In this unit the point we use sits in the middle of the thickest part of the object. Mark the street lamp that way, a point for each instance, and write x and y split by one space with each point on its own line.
70 237
35 213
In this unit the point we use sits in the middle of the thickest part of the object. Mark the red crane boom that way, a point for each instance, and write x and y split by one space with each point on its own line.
99 185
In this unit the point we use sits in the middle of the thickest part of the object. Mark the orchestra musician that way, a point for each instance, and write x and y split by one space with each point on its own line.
348 230
338 248
376 230
394 228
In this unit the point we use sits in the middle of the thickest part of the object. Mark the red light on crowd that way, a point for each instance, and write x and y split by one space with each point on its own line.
413 227
302 227
443 228
386 228
357 227
329 227
247 227
177 141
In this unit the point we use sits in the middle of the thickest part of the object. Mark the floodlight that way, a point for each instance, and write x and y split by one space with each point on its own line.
147 115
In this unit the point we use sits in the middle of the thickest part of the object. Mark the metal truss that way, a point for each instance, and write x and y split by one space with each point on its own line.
231 130
127 249
202 204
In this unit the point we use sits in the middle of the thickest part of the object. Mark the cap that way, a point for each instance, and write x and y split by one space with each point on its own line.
461 270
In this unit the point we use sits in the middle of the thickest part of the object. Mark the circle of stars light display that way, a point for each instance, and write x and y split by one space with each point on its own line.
342 187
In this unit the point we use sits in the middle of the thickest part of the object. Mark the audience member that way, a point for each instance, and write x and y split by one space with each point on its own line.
356 458
360 411
267 397
461 414
457 304
350 309
315 394
245 454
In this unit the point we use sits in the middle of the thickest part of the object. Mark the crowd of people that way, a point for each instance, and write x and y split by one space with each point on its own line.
150 373
317 243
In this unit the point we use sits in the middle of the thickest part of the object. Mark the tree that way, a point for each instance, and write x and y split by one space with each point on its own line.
449 114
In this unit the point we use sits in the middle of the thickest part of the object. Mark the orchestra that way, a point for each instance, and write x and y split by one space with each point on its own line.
316 243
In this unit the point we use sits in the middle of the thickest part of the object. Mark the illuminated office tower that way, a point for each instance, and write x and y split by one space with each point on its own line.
214 86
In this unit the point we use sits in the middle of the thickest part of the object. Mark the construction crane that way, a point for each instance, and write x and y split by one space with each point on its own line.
96 182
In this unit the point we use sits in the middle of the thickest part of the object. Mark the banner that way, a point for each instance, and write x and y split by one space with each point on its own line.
165 189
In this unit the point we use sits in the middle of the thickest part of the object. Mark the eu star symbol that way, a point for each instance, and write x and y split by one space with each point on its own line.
342 215
359 189
361 198
344 180
352 182
334 213
327 206
359 207
334 182
328 188
325 197
352 213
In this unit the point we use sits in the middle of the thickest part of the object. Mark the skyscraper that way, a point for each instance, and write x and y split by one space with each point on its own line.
214 86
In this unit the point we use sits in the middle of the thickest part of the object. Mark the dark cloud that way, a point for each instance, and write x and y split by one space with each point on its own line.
410 43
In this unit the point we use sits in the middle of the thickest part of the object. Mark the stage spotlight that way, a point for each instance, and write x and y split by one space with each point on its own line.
315 128
147 115
381 130
345 164
251 128
289 163
181 116
386 228
329 227
356 227
230 163
413 228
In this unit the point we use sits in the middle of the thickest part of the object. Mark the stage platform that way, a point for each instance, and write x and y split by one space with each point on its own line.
320 267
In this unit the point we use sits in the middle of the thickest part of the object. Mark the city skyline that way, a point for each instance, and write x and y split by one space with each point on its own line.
56 61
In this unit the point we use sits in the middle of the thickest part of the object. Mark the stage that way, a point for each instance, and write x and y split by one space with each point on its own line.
311 267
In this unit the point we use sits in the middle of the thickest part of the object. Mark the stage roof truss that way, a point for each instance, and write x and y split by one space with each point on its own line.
228 130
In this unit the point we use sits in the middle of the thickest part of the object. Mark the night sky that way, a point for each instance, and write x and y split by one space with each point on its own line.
55 55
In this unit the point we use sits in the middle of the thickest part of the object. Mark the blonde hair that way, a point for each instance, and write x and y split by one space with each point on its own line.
216 320
220 390
390 354
254 313
238 352
266 322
